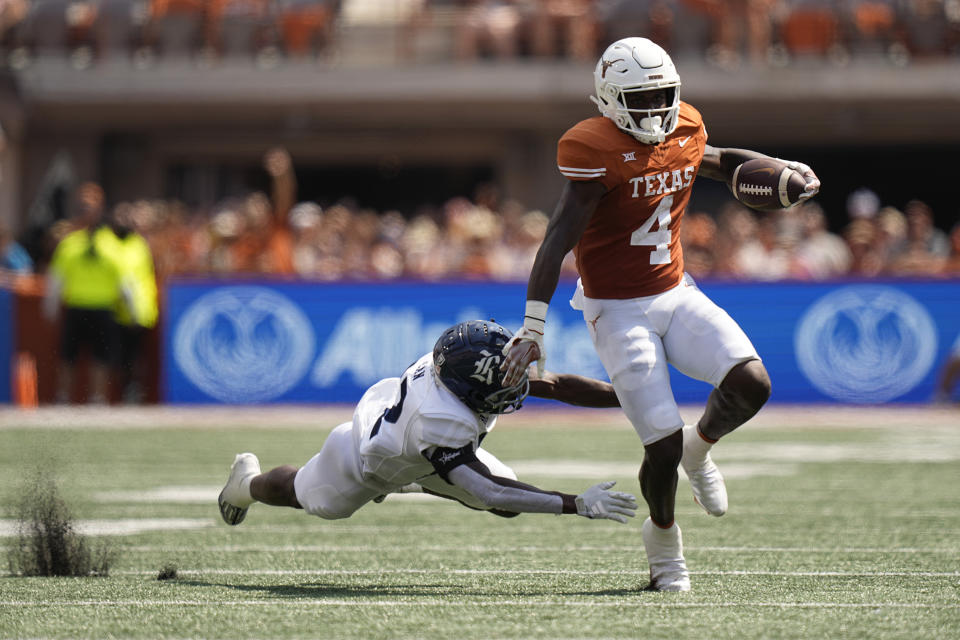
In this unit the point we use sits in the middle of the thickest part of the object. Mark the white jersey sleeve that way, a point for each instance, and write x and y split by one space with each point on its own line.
448 432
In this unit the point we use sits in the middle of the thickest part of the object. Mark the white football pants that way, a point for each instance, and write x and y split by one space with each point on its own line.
636 339
330 485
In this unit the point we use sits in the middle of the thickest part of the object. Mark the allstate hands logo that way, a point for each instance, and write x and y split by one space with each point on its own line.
865 343
243 344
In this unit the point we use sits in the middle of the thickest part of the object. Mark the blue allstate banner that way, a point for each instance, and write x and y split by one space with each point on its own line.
6 343
866 342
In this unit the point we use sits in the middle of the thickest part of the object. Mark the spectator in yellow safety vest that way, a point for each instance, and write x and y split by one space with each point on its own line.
85 280
136 320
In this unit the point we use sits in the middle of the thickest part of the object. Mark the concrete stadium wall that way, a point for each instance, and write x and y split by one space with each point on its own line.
123 126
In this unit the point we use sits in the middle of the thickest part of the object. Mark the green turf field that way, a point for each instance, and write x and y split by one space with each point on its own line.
834 530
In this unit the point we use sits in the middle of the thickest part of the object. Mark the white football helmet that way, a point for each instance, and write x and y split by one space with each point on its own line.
631 66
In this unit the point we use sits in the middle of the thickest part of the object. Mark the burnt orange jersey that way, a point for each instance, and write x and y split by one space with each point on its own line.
631 247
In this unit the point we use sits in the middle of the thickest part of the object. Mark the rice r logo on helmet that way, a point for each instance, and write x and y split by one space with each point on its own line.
466 360
486 367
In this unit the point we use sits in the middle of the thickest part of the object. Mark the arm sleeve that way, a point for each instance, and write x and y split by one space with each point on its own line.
508 495
445 459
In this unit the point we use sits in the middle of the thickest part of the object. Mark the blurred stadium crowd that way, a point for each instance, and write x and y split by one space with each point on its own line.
480 235
488 237
726 33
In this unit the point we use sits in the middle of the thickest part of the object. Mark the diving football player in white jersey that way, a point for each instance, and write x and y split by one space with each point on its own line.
426 428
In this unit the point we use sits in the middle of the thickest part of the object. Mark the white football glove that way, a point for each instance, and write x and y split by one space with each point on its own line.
523 355
599 502
813 182
519 351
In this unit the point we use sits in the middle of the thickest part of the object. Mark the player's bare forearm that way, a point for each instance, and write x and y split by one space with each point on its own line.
545 273
576 390
719 162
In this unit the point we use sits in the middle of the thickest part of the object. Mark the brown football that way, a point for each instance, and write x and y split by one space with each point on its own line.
767 184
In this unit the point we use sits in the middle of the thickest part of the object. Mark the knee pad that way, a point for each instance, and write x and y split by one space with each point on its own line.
327 503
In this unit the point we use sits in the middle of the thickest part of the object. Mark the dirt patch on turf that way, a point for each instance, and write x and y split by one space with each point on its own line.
46 541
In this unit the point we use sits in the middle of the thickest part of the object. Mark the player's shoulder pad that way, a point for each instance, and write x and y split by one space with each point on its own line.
446 430
689 117
583 152
595 133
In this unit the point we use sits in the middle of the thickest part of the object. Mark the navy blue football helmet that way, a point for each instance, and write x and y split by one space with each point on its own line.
467 361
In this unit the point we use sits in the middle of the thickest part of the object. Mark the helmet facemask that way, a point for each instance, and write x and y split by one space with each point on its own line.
651 123
506 400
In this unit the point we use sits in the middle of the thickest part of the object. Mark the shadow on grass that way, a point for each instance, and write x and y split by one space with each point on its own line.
332 591
320 590
631 591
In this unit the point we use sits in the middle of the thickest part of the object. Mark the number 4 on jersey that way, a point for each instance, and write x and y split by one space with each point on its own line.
660 239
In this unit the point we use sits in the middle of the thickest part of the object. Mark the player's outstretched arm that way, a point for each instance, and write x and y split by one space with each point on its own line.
573 389
461 467
570 217
511 495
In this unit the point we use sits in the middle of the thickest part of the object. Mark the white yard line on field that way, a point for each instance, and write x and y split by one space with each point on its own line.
320 548
187 494
417 601
194 494
174 417
618 469
914 417
886 447
122 527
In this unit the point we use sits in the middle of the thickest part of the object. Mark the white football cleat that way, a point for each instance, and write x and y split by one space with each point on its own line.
668 569
709 490
235 499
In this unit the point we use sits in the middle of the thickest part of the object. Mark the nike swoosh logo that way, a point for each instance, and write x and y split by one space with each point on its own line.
684 141
765 170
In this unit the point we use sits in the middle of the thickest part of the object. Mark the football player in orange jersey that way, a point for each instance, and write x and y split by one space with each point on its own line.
630 172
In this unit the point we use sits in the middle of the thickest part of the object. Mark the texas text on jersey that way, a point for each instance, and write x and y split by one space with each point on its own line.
631 247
